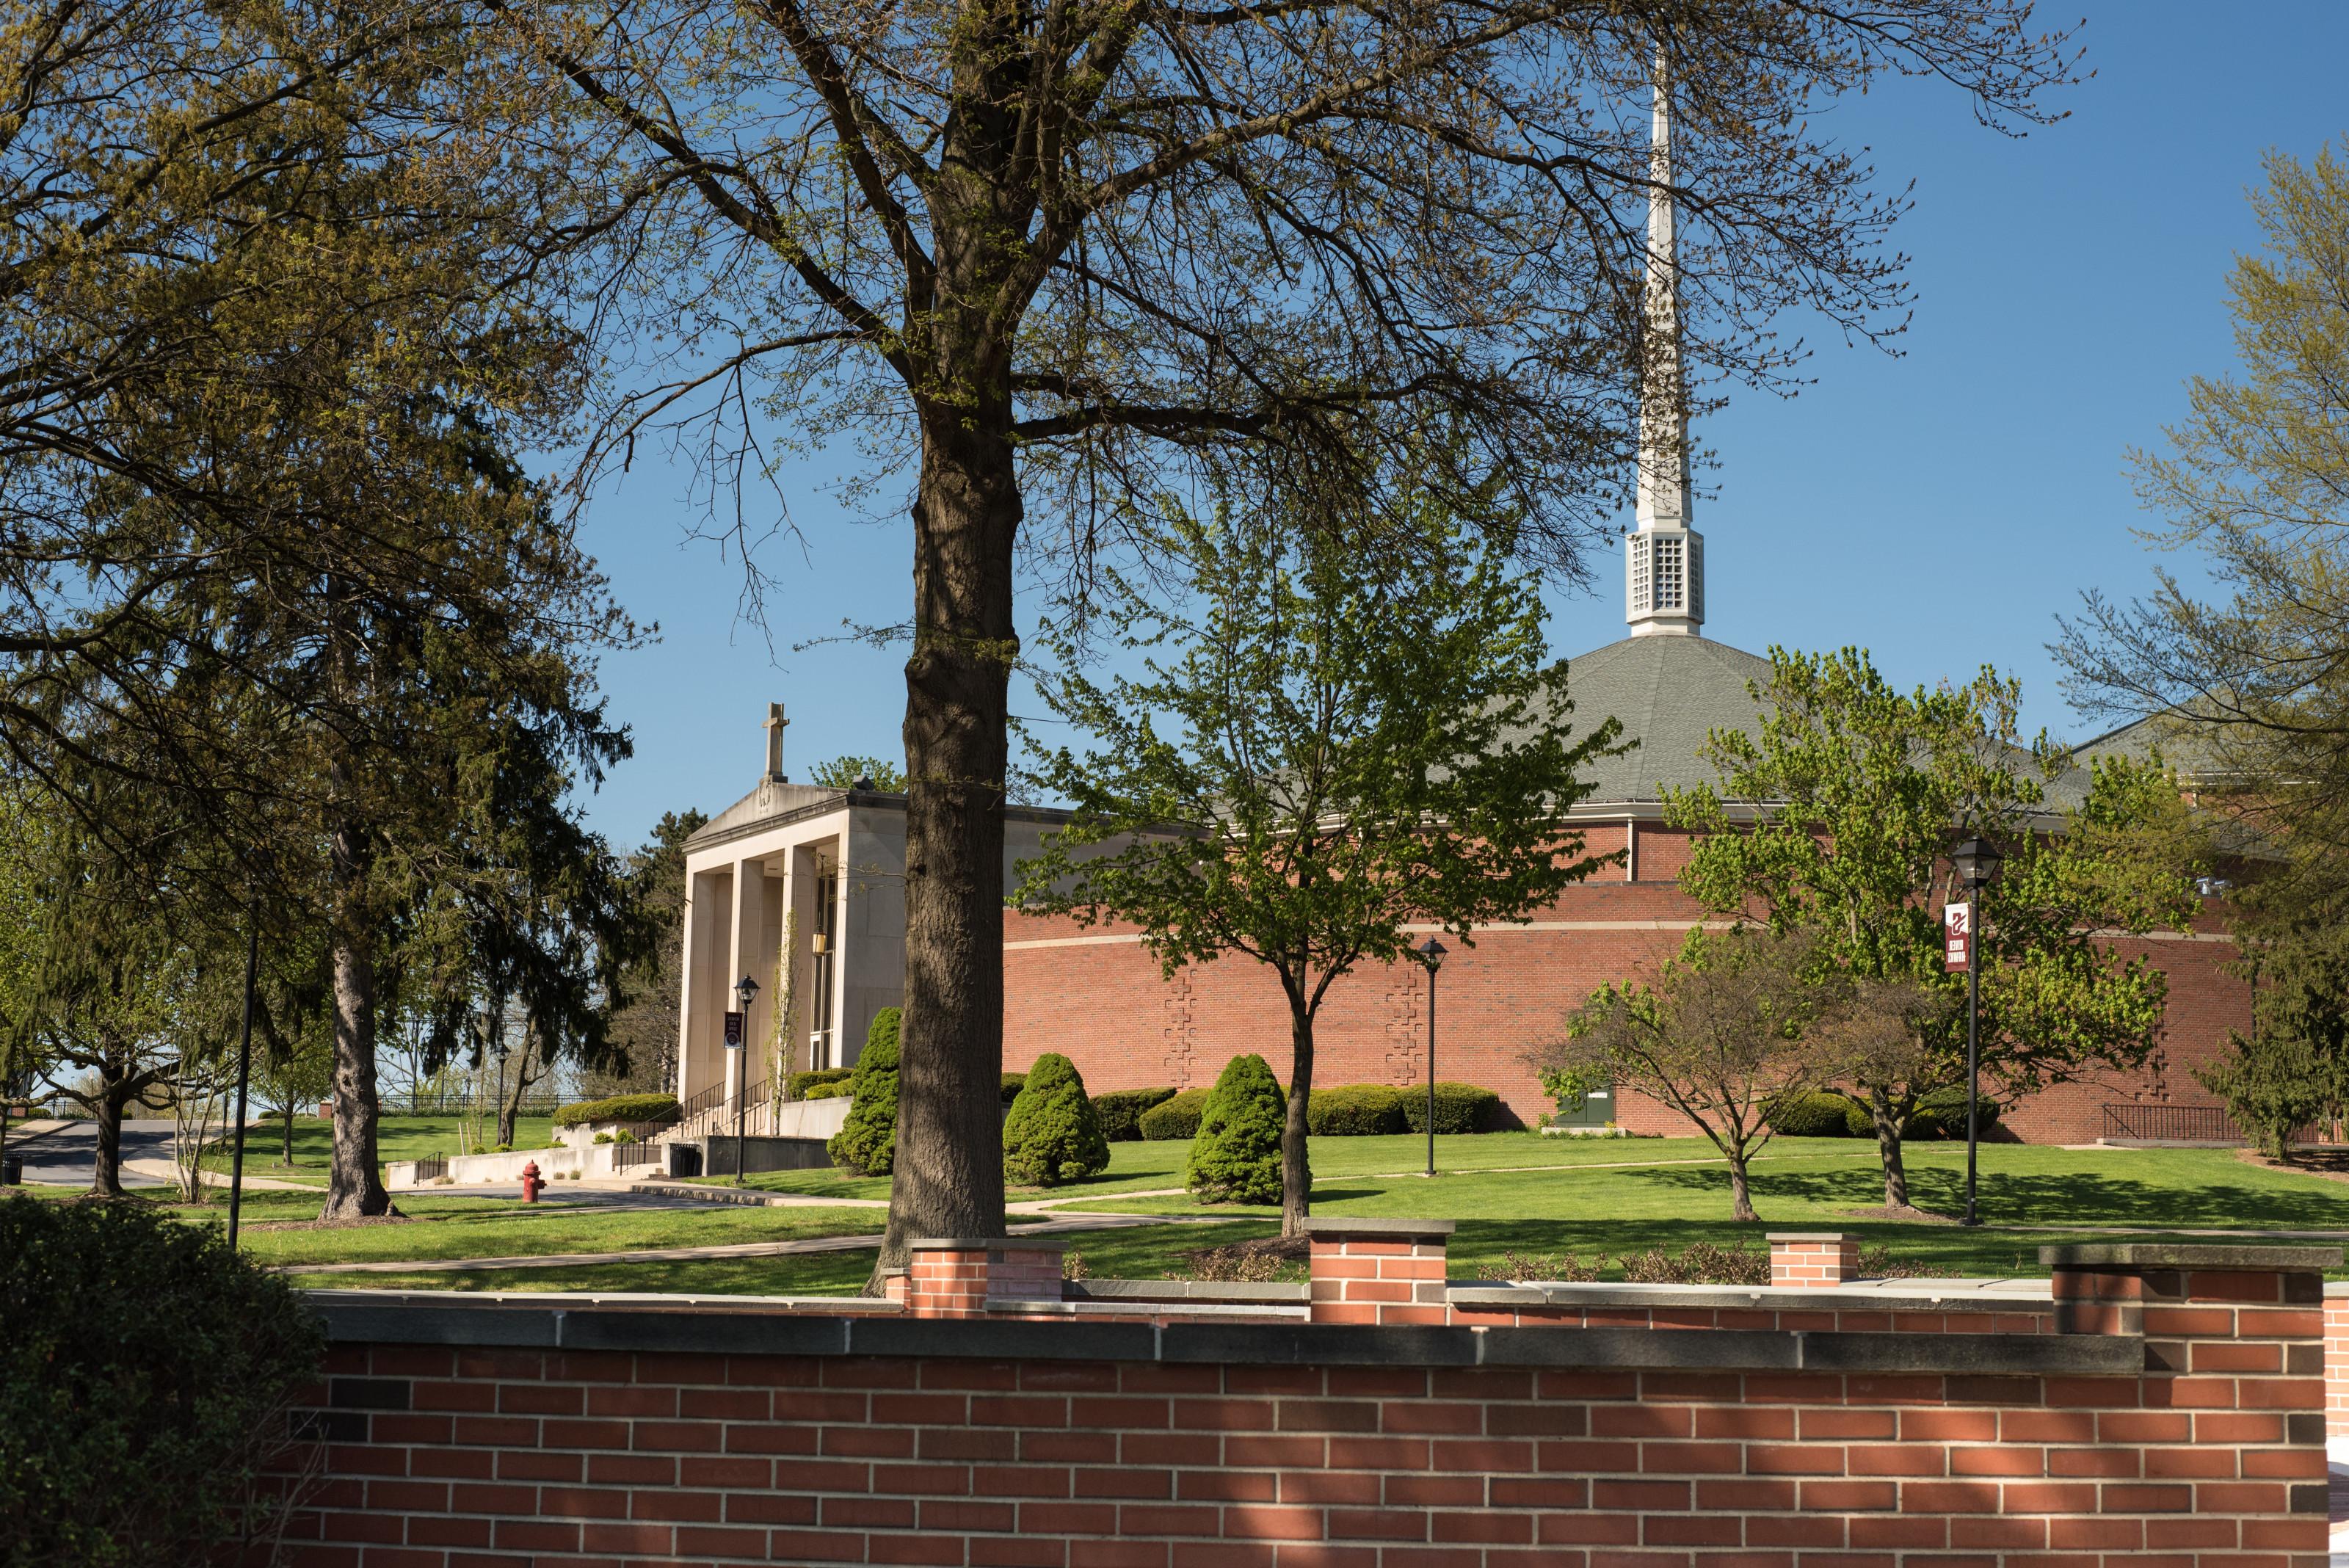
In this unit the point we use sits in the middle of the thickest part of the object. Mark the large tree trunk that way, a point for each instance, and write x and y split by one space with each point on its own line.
113 1098
1887 1121
1295 1167
948 1175
353 1185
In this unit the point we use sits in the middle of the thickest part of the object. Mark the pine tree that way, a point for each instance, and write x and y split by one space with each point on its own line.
1052 1133
1235 1158
867 1142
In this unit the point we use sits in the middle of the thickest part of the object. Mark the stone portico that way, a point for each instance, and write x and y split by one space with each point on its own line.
829 862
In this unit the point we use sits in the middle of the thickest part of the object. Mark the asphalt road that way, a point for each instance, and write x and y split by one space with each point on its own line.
69 1154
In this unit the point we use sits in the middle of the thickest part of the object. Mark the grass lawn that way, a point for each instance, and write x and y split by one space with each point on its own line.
1149 1165
396 1138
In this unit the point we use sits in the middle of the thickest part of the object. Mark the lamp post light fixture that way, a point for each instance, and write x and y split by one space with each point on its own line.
1976 861
746 990
1431 953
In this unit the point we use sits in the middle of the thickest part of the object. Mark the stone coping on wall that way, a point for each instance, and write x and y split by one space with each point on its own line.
835 1326
1984 1295
2202 1255
1277 1293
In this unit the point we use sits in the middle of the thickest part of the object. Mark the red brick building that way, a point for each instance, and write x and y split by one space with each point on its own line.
1097 996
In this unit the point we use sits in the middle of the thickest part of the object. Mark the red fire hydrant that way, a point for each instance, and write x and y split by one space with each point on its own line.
530 1184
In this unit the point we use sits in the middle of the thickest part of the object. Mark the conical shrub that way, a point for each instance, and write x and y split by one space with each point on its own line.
867 1142
1053 1135
1235 1158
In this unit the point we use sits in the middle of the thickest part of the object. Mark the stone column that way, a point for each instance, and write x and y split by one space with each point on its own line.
747 925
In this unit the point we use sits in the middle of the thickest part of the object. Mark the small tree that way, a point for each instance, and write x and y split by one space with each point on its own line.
1724 1031
1347 753
1836 820
1052 1133
852 773
866 1142
1241 1153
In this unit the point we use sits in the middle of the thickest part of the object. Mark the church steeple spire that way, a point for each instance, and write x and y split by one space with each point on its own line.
1663 557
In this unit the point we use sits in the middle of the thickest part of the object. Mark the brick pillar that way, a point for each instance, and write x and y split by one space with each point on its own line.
957 1276
2234 1359
1379 1270
1813 1257
2336 1359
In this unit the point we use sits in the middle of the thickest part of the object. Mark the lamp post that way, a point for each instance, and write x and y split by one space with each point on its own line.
1977 861
243 1071
1431 953
746 990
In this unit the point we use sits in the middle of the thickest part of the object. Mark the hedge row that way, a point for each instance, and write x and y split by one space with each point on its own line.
1831 1113
1121 1111
619 1109
822 1084
1341 1110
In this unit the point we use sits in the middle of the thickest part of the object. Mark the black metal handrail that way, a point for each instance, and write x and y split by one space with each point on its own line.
2171 1124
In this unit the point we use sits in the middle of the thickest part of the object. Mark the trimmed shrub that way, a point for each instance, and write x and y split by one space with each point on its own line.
1121 1111
1459 1108
1355 1110
1824 1114
866 1142
822 1084
1052 1135
1174 1119
144 1373
1942 1114
1235 1158
1013 1083
619 1109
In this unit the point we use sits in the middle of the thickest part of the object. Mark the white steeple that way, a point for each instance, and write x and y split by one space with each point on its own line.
1663 557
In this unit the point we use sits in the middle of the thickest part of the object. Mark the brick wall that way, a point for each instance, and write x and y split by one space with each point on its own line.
1097 997
2182 1416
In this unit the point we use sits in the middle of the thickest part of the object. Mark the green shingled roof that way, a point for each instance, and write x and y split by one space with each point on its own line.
1670 693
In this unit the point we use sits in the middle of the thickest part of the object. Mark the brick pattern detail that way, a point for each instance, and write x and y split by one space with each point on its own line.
1112 1011
1378 1280
2211 1457
1813 1260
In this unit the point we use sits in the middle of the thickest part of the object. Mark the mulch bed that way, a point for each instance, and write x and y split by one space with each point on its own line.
1904 1214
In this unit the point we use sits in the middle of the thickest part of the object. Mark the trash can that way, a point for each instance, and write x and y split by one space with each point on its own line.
11 1170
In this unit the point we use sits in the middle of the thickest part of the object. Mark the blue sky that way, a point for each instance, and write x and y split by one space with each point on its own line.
1940 508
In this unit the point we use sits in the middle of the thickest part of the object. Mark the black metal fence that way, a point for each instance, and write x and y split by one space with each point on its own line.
2171 1124
431 1167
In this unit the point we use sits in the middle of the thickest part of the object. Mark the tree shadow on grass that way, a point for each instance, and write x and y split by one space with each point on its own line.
2011 1198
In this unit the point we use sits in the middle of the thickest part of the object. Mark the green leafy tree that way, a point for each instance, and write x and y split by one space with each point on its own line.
848 773
867 1141
1240 1155
1052 1133
1727 1027
643 1026
1857 791
1318 757
1049 259
2247 679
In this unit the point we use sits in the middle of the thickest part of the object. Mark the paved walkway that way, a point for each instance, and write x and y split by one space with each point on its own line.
1067 1224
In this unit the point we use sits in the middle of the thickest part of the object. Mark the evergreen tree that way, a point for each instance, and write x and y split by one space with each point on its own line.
1053 1134
866 1142
1237 1157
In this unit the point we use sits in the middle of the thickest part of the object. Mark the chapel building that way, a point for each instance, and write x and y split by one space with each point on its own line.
826 867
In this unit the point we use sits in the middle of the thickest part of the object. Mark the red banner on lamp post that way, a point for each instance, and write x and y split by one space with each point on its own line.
1957 938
